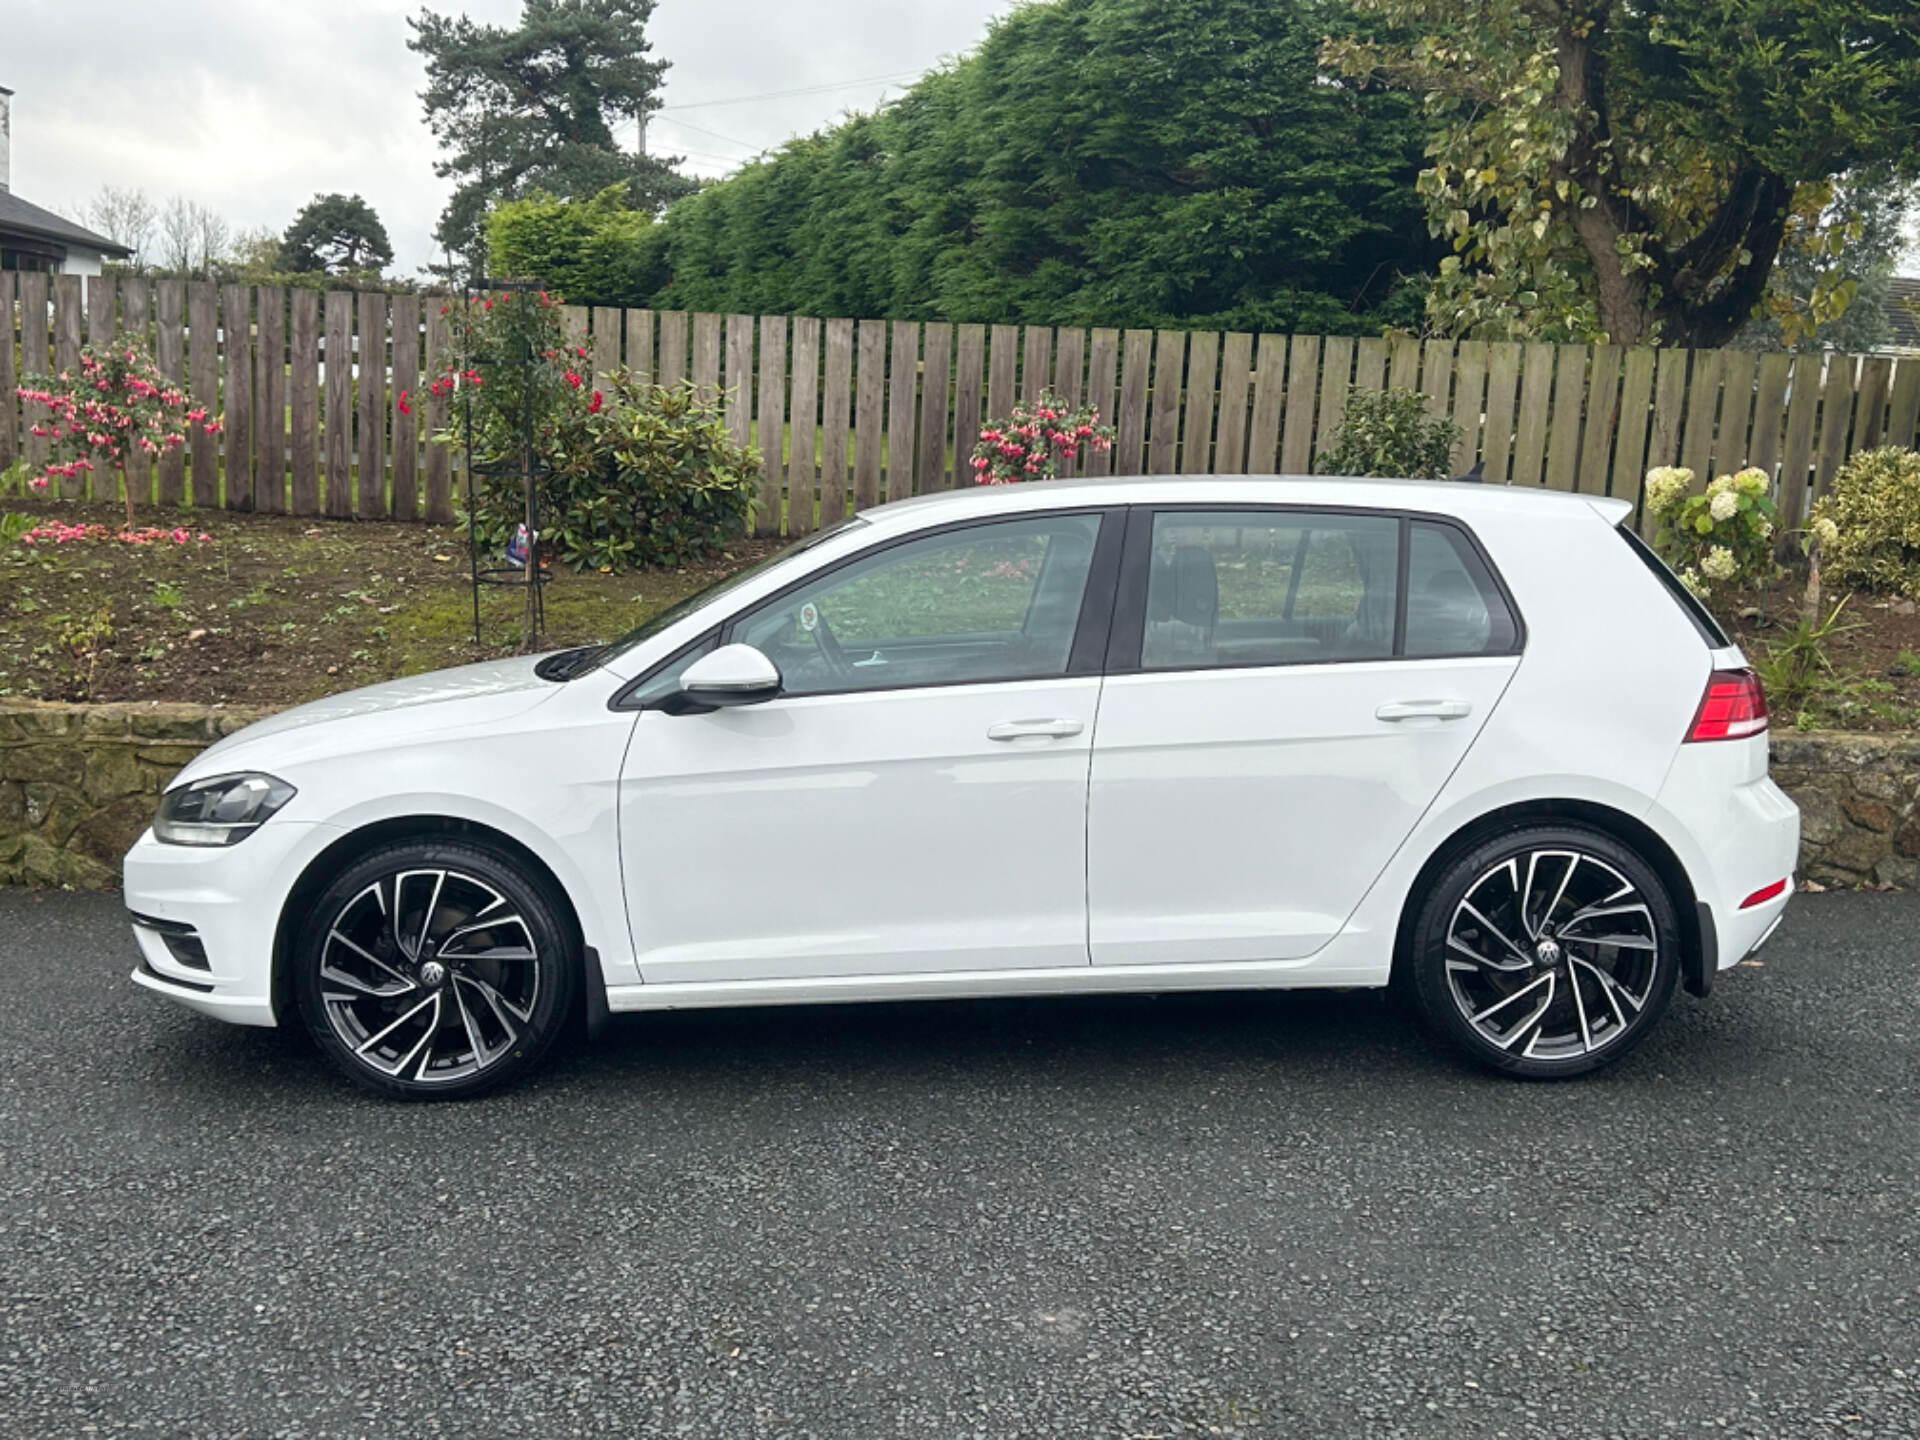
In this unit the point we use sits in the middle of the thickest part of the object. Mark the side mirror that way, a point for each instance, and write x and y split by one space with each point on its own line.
731 675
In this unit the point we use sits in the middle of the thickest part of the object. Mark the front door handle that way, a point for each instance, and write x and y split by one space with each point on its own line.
1424 710
1035 730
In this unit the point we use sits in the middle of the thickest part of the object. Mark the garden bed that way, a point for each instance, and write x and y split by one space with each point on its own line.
1874 650
270 611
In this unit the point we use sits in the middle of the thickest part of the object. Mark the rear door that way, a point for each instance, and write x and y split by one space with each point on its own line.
1287 691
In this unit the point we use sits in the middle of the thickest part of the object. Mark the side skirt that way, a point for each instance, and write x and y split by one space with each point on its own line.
985 984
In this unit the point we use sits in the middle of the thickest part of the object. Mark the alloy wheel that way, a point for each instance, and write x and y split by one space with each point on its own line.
1552 954
429 975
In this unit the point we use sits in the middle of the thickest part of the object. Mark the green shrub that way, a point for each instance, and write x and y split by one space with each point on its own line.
1720 537
1874 510
640 475
636 474
596 251
1388 432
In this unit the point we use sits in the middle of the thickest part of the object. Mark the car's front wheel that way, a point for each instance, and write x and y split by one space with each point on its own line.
1546 951
435 969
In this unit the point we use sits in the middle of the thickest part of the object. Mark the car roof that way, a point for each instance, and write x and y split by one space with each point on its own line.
1462 498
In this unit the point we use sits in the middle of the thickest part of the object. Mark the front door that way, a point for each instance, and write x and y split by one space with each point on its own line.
1276 722
914 800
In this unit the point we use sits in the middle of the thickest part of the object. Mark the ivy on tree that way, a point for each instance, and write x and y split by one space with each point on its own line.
336 233
1631 172
533 107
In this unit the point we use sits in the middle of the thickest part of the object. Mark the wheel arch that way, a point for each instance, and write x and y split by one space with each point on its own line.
357 842
1696 920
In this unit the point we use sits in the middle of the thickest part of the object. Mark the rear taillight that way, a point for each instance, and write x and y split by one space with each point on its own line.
1733 708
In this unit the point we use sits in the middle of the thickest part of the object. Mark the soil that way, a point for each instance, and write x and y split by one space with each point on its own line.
274 610
1874 650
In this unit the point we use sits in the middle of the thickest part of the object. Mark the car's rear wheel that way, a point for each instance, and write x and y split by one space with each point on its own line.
435 970
1546 951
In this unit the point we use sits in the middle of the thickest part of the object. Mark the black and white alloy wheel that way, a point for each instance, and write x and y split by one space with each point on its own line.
435 969
1547 951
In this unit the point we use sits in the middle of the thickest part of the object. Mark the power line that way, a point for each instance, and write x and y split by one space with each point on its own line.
783 94
716 135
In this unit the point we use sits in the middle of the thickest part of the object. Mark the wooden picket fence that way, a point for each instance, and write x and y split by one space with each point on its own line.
853 412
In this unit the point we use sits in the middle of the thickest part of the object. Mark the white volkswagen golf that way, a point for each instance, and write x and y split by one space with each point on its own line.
1077 737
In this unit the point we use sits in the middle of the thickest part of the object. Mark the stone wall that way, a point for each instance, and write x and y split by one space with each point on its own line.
78 785
1859 798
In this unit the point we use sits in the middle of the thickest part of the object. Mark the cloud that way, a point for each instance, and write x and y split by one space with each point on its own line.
255 106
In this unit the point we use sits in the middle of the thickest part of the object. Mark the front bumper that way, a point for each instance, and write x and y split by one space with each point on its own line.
230 898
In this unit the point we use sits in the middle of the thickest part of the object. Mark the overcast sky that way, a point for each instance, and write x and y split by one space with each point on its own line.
254 106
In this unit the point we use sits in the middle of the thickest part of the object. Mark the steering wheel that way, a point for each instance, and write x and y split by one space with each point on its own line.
830 650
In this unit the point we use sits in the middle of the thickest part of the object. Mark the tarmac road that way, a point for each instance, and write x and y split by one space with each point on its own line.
1274 1215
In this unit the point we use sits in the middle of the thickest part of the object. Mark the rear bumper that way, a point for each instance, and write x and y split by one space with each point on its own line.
1736 833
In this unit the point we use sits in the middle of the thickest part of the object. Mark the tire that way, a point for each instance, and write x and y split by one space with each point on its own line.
474 1007
1545 952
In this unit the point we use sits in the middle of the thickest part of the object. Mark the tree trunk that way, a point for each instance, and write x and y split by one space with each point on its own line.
1620 294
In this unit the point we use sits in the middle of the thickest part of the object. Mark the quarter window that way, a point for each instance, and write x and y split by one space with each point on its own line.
984 603
1453 606
1236 588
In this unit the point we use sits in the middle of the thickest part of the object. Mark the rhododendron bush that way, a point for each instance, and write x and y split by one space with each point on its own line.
635 474
112 405
1032 443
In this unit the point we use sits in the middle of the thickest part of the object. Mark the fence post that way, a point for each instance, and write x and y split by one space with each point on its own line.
970 360
439 417
406 429
338 360
9 381
303 402
770 416
236 330
801 433
371 377
203 377
931 471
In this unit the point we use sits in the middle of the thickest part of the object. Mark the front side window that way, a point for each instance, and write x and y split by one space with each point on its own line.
982 603
1242 588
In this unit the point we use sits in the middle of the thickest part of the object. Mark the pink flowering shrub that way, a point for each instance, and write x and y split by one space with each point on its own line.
114 404
1032 444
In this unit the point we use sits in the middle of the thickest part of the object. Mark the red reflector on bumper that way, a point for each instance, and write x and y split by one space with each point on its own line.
1763 894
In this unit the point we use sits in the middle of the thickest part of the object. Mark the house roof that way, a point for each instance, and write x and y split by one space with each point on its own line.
21 217
1903 312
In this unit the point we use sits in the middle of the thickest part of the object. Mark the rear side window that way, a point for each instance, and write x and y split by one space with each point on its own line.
1701 617
1229 588
1453 605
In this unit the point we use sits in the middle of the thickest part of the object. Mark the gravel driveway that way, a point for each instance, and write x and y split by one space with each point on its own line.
1241 1216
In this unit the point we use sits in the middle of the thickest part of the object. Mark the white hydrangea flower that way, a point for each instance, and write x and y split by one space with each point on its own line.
1766 528
1718 563
1720 485
1690 578
1825 531
1752 481
1724 506
1665 485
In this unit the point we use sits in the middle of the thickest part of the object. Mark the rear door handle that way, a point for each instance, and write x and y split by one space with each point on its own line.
1424 710
1035 729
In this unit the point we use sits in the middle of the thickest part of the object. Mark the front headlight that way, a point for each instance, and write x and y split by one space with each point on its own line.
221 811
